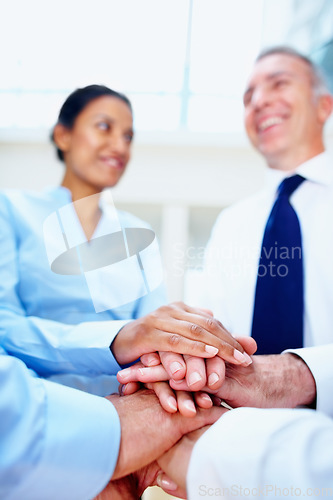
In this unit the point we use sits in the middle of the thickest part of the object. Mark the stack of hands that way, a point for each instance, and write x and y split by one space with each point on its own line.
188 364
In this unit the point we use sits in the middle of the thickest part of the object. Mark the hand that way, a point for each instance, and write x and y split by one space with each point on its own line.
175 462
147 431
133 485
274 381
169 365
177 328
200 374
172 401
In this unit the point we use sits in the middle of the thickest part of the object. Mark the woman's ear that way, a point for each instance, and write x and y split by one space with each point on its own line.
62 137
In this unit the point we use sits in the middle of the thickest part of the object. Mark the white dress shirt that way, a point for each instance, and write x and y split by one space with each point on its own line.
256 453
233 252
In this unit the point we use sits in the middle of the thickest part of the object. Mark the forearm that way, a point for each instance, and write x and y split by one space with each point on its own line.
51 347
53 439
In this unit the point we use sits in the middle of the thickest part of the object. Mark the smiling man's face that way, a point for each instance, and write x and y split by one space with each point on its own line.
283 116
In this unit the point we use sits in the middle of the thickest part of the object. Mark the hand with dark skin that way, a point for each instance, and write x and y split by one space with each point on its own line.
177 328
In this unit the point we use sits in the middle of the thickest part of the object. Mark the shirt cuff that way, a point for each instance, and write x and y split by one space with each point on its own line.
81 445
99 335
319 362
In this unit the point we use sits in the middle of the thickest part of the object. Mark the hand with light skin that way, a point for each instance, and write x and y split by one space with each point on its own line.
211 371
273 381
180 329
175 462
132 486
142 444
148 431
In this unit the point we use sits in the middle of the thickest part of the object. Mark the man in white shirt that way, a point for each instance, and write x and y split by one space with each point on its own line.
286 107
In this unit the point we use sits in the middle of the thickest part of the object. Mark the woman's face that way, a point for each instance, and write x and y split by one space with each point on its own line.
97 148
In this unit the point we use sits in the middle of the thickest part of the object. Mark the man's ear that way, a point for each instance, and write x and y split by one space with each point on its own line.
325 107
62 137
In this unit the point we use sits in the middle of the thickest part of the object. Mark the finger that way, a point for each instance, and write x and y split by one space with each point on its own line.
203 329
127 389
215 372
203 310
169 486
175 336
185 403
165 395
174 364
195 372
150 359
179 385
140 373
248 343
203 400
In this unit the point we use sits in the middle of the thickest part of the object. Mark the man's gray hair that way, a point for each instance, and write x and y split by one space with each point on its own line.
318 79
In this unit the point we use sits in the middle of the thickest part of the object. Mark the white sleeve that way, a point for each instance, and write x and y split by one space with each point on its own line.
319 361
274 453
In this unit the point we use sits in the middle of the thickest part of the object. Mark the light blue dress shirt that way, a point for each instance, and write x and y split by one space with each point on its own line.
55 442
49 320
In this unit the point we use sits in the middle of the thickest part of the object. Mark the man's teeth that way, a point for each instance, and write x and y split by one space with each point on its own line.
270 122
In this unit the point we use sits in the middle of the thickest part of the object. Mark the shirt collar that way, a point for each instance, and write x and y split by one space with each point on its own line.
318 169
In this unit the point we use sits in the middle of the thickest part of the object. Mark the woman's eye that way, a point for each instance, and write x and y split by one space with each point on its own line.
103 126
128 137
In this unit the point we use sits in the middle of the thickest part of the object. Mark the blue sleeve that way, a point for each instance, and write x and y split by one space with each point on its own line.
48 347
55 442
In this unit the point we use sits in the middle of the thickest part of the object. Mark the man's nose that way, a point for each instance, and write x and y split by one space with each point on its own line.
260 97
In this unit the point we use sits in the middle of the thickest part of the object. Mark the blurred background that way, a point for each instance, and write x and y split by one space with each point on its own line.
184 65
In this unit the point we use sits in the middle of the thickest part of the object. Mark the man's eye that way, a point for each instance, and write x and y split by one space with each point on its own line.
281 83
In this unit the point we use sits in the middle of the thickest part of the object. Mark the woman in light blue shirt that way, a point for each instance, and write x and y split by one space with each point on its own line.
74 270
46 304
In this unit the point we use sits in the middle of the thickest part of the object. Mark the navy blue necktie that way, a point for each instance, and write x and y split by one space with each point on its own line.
279 302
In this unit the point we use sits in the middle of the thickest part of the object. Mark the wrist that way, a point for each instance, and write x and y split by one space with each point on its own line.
304 384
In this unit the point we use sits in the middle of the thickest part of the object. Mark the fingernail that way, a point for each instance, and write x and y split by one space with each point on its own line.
190 406
151 360
206 397
175 367
213 378
211 350
125 373
165 483
194 378
248 359
122 390
178 381
239 356
172 403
